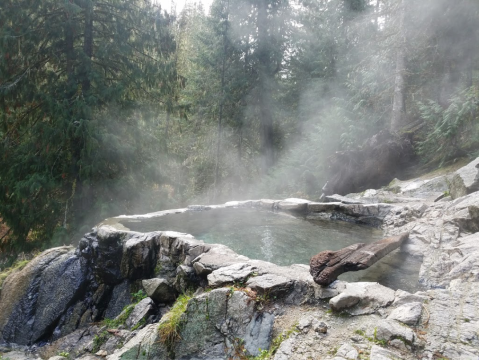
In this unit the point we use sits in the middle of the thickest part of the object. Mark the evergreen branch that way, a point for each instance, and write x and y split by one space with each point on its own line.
15 82
5 235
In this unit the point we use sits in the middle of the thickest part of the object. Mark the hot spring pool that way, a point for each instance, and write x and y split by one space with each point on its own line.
284 240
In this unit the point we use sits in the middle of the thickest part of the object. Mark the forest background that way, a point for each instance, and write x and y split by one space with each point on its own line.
112 107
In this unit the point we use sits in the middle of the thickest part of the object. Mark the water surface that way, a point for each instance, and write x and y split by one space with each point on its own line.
284 240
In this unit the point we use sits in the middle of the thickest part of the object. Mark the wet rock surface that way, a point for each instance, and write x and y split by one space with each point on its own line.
61 296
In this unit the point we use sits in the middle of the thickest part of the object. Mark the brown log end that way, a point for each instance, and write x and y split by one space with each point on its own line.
326 266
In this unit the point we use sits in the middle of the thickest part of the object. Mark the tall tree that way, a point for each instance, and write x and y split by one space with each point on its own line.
224 23
66 70
398 115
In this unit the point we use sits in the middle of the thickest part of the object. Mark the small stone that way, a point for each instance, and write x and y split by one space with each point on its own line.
142 311
270 284
101 353
356 338
408 314
304 324
398 344
379 353
320 327
403 297
348 352
390 329
159 290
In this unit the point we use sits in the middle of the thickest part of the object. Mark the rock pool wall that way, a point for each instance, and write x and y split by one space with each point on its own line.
60 296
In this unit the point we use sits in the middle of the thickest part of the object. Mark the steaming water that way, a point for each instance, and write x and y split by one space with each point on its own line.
285 240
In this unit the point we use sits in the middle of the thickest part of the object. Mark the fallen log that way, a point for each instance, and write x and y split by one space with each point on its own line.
326 266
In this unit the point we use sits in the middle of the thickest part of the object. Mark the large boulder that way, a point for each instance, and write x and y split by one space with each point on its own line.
34 299
145 345
465 180
230 274
389 329
214 322
120 297
408 313
374 164
362 298
140 313
117 255
159 290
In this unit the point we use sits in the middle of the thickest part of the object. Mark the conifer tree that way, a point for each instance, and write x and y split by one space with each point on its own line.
72 75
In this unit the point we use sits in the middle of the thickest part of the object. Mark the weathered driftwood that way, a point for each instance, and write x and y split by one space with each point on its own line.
326 266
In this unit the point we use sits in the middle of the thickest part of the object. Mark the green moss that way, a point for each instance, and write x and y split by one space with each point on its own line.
138 296
360 332
170 327
139 325
373 339
376 340
17 266
99 340
126 312
120 319
158 268
334 350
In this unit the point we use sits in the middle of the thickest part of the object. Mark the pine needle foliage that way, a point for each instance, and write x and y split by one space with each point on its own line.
452 131
76 77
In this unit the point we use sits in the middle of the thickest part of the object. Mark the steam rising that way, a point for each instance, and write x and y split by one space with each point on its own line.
333 88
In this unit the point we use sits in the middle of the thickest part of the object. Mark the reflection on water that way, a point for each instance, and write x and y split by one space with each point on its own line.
267 242
285 240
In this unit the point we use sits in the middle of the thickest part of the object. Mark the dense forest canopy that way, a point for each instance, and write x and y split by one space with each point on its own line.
116 106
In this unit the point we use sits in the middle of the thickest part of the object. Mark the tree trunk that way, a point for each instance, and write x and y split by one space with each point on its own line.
222 98
87 45
326 266
398 118
264 91
167 129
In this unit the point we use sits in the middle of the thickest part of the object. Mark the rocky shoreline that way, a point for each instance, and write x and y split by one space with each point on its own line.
57 304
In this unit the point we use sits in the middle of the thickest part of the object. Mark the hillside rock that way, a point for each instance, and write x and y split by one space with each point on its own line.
215 321
465 180
111 262
34 299
293 204
375 164
145 345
